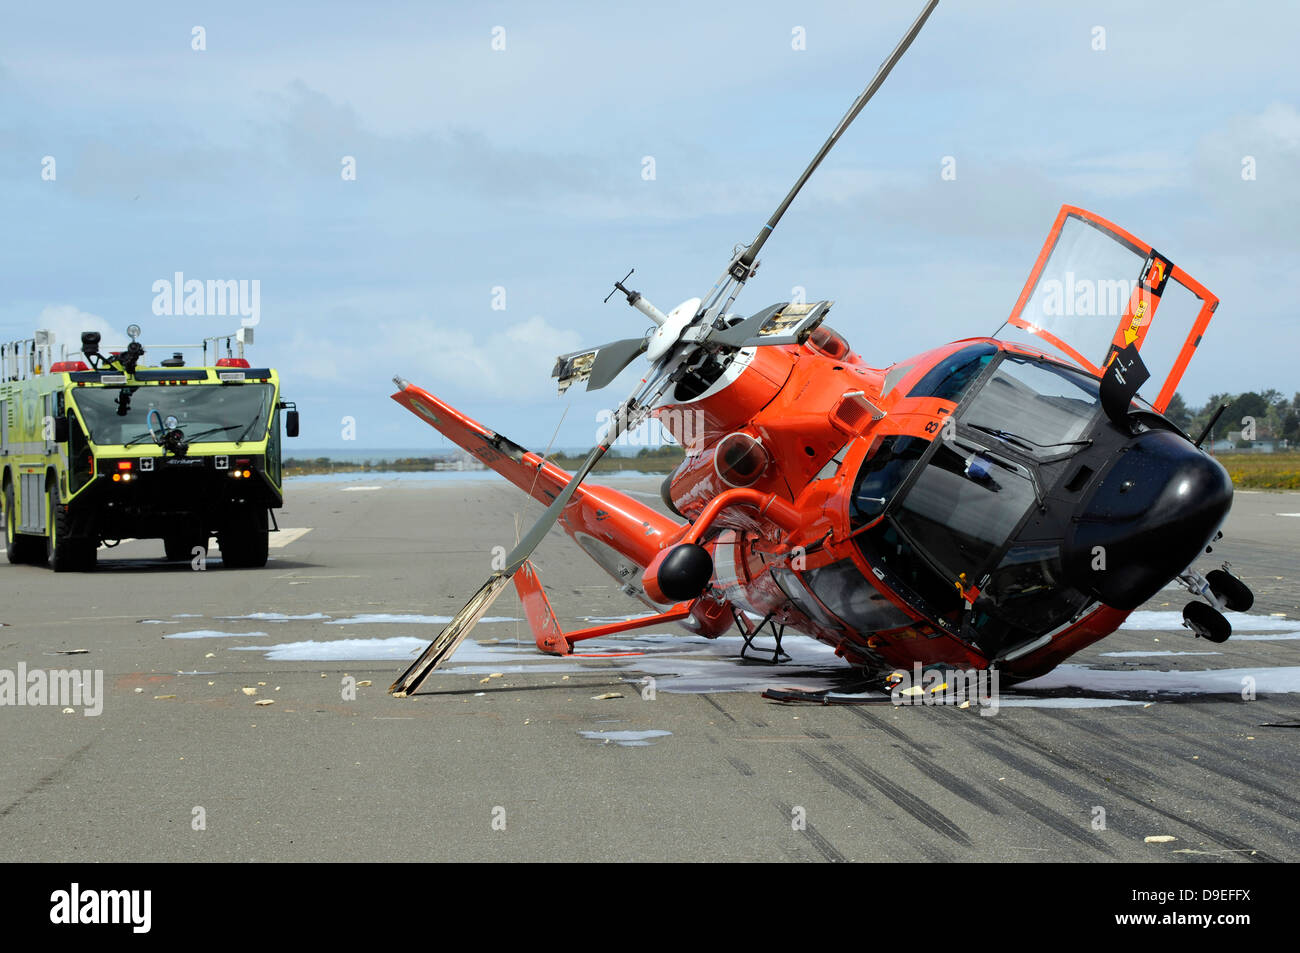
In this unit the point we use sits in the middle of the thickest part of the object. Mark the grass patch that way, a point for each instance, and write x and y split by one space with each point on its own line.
1263 471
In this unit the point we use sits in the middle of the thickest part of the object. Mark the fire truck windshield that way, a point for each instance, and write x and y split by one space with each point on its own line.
204 413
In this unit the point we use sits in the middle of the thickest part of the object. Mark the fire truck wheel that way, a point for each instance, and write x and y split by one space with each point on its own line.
65 553
19 548
244 540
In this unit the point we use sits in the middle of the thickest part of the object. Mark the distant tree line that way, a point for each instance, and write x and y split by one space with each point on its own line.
1275 417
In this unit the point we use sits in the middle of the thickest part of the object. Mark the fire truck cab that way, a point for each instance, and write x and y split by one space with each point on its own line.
105 447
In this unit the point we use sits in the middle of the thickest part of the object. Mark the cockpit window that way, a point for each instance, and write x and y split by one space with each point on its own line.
882 474
950 378
1041 409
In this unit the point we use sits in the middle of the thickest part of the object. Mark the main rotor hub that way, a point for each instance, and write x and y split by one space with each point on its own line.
666 335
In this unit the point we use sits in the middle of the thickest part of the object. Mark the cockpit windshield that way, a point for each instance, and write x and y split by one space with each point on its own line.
204 413
1041 409
943 517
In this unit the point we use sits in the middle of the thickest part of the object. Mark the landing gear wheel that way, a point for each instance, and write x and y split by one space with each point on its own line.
63 551
244 540
1206 621
181 548
1236 595
19 547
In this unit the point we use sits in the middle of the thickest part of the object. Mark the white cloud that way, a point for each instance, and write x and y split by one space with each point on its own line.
68 321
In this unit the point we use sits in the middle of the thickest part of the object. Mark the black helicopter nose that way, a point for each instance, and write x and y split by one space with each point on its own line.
1147 520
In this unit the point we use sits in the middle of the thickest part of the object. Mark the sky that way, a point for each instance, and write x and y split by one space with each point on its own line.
503 155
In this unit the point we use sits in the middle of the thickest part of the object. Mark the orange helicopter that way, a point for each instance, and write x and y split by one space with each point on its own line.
997 503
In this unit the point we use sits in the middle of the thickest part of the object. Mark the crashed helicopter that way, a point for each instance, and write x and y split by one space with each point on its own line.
995 503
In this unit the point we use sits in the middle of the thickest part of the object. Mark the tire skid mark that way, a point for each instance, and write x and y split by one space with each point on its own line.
946 779
909 802
1251 784
892 730
744 770
823 846
1227 760
847 785
1068 788
1253 854
722 711
49 779
1053 819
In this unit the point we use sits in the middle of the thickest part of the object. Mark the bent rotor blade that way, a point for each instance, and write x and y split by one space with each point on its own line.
450 638
612 358
441 648
746 261
779 324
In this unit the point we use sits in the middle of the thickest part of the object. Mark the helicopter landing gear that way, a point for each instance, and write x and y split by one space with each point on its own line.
749 632
1221 590
1206 622
1236 595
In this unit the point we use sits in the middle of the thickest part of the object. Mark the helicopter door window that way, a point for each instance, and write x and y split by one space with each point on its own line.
963 508
882 474
859 604
885 547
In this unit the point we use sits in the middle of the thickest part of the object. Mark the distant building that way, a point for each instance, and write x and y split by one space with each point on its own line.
1232 444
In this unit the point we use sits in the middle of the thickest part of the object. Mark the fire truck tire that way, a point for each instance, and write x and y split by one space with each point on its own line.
244 540
19 547
63 552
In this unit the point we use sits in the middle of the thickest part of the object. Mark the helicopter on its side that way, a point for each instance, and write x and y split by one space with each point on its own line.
998 502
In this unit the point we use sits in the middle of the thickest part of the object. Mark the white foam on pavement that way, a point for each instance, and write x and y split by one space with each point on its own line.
213 634
1267 681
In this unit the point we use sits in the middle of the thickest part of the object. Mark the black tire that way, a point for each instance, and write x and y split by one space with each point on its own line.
245 539
1236 595
19 547
64 552
180 548
1207 622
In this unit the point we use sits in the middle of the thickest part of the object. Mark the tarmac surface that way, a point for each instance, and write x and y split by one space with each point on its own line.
182 763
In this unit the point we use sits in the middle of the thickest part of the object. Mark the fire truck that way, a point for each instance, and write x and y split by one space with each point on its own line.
106 447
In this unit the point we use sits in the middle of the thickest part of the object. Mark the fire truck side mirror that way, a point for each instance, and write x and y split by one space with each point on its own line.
60 429
291 423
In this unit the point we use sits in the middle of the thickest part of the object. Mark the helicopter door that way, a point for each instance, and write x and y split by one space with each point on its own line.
1095 289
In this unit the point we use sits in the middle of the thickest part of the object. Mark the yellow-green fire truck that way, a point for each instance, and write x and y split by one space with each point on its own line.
108 448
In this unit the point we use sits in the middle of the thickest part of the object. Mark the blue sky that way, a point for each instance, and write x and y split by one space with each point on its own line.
522 168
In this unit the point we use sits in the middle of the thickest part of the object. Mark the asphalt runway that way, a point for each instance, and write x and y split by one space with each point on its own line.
182 763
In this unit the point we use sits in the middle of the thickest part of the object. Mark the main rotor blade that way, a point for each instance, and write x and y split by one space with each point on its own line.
441 648
746 260
612 358
533 538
